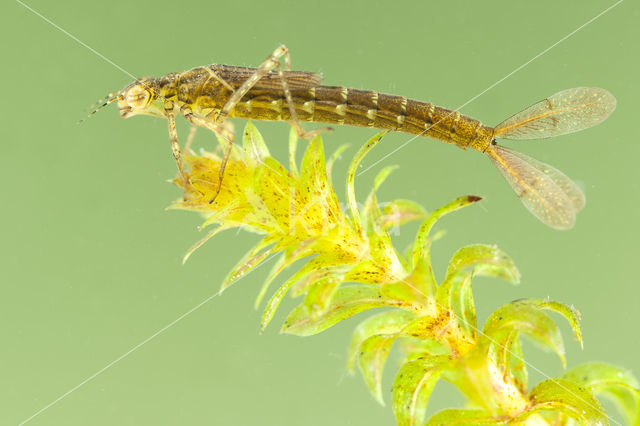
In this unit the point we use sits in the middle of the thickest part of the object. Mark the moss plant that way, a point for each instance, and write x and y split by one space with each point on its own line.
351 266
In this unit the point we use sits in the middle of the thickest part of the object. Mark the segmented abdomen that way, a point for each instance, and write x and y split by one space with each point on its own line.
366 108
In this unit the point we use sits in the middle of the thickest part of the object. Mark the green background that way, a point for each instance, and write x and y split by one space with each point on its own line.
90 261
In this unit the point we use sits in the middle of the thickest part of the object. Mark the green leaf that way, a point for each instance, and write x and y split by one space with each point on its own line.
370 216
249 262
614 383
517 366
569 313
387 323
316 188
520 316
320 294
209 235
346 302
382 176
486 260
413 348
425 228
290 256
351 175
333 158
293 148
412 389
455 295
309 273
399 212
254 146
373 355
464 417
566 397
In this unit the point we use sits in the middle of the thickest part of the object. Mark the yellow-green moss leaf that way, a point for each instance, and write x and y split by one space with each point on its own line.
486 260
319 296
412 389
290 256
351 176
425 228
399 212
253 143
569 398
520 317
455 294
346 302
569 313
386 323
517 365
249 262
464 418
371 359
611 382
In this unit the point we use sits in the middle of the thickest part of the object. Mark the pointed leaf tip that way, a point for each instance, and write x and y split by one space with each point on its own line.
412 389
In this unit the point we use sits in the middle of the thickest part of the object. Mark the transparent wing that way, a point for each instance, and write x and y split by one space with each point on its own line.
568 186
565 112
550 195
296 80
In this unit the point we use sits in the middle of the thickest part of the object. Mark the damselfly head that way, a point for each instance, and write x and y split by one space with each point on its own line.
137 98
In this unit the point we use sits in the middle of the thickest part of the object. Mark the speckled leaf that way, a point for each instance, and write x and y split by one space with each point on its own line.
220 215
412 388
346 302
569 398
614 383
383 323
455 294
425 228
464 418
316 190
293 149
275 187
254 146
520 316
290 256
334 157
209 235
373 355
311 271
250 261
406 291
517 365
412 348
399 212
351 176
569 313
319 295
318 268
486 260
371 216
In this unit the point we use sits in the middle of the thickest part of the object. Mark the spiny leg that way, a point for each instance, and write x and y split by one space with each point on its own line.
272 62
192 135
224 129
295 122
175 147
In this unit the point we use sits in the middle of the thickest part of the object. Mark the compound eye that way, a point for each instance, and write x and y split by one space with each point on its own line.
137 96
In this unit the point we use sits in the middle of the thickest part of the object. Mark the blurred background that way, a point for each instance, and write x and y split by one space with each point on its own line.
91 262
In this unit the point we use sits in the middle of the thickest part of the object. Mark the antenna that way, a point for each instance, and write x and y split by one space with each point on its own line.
111 97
